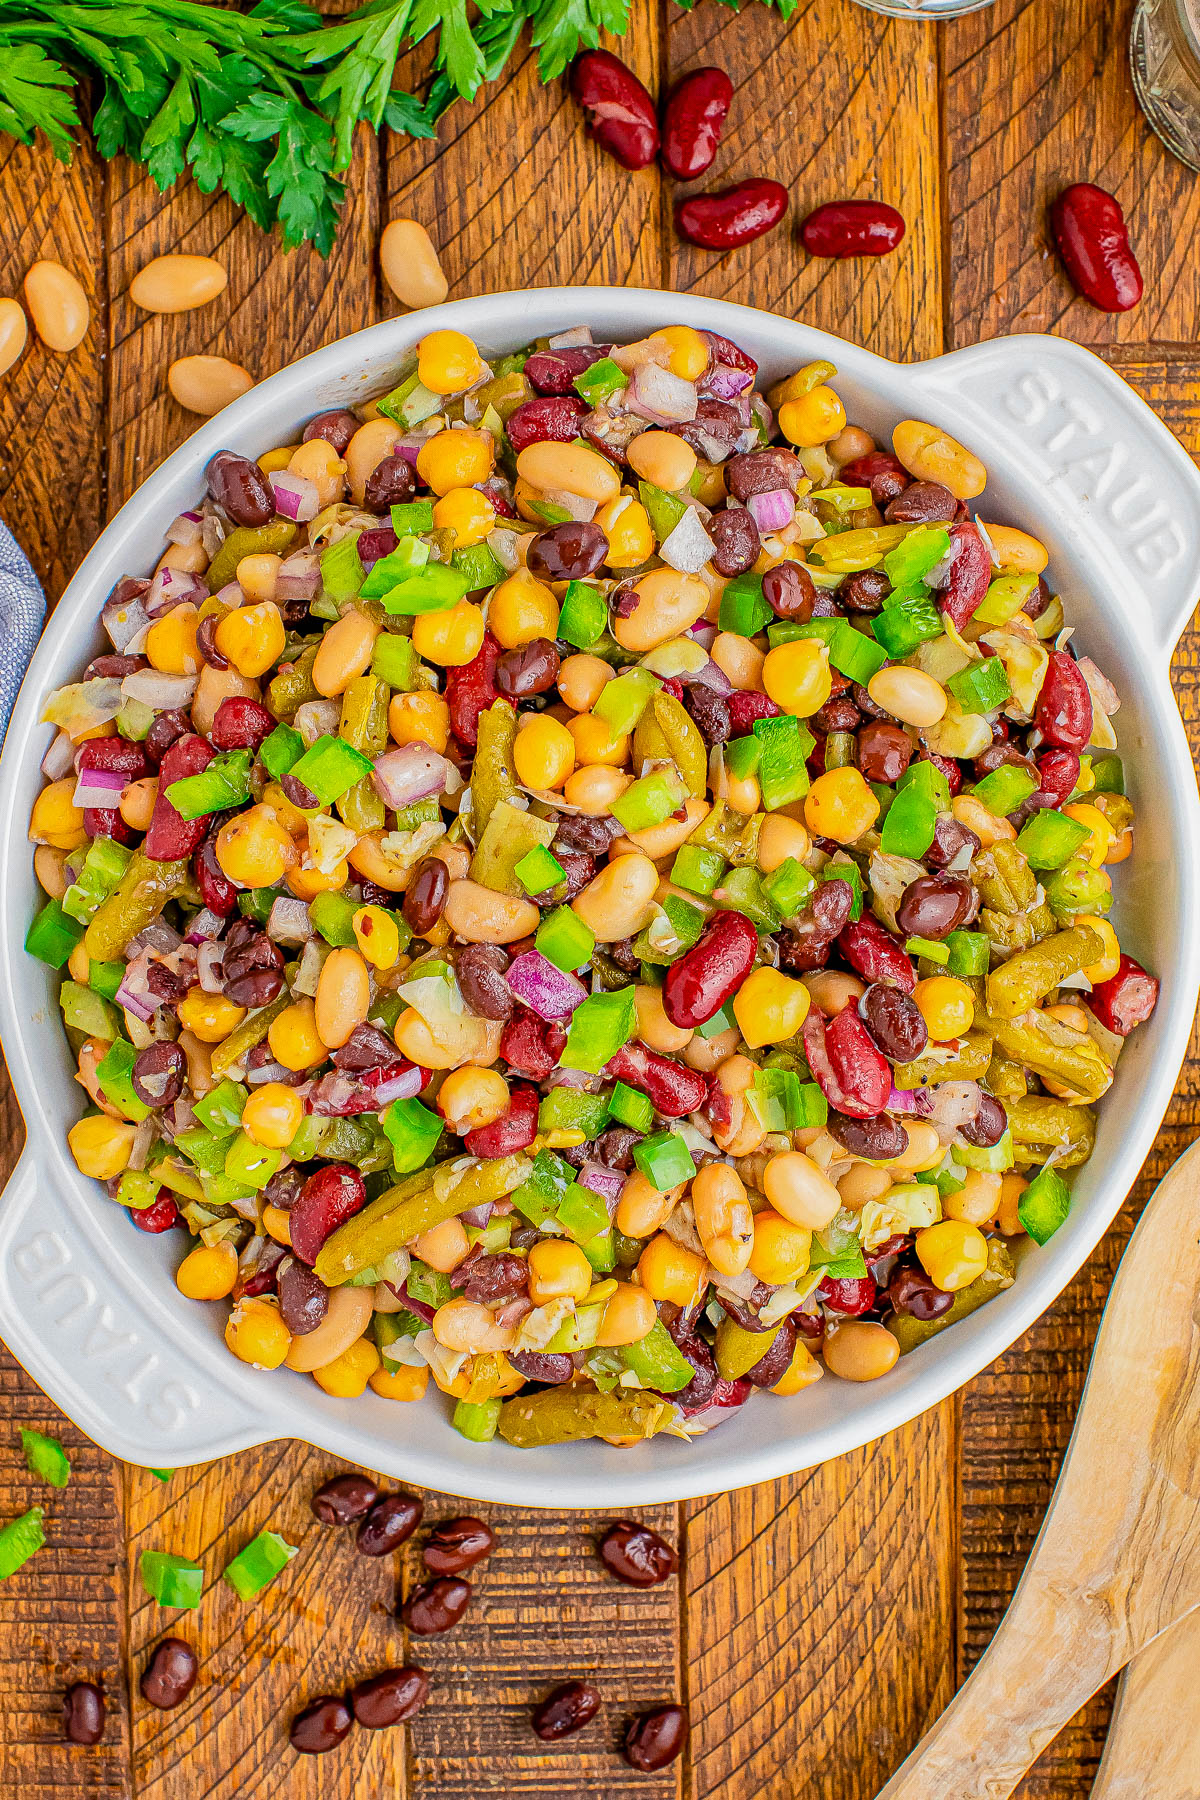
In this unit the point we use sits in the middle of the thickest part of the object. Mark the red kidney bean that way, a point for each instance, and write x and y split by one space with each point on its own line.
170 1675
241 724
251 965
714 431
532 1046
620 113
303 1297
390 483
723 353
636 1555
970 575
878 1139
851 1295
330 1196
388 1523
389 1697
790 592
735 216
745 707
762 472
922 503
874 954
436 1606
458 1544
161 1216
911 1291
471 689
240 488
568 552
989 1124
531 668
321 1725
945 765
1093 241
206 643
158 1074
366 1048
773 1364
501 1276
710 711
337 427
736 540
425 896
673 1089
865 591
693 120
894 1021
344 1499
879 470
698 985
850 1071
554 371
566 1708
1058 777
1063 713
514 1130
106 822
655 1738
614 1148
932 906
1126 999
83 1713
216 890
883 751
170 837
115 755
852 228
480 969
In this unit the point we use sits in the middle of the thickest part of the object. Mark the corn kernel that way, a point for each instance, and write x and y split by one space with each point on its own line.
347 1375
770 1007
947 1006
210 1017
293 1037
272 1115
796 676
669 1271
306 884
1097 845
840 805
277 1223
208 1272
1106 967
595 747
256 1333
455 459
781 1250
626 524
466 513
101 1146
451 638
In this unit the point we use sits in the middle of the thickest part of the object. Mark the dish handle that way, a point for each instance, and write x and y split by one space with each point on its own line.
86 1332
1076 428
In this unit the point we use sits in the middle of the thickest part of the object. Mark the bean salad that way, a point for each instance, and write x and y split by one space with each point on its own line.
588 880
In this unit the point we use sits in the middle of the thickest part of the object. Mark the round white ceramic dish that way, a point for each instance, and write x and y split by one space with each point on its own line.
88 1304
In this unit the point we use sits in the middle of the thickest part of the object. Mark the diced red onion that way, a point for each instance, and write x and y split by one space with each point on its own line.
568 1078
205 925
657 394
608 1183
267 1071
478 1215
727 383
951 1104
773 510
567 340
706 637
413 772
208 968
547 991
135 998
338 1096
212 533
710 676
59 759
299 577
502 542
409 446
170 588
157 935
688 547
125 621
575 506
98 788
164 693
908 1101
1101 688
288 921
397 1081
296 497
188 528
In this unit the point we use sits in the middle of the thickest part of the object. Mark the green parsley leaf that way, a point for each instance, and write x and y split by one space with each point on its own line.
31 98
46 1457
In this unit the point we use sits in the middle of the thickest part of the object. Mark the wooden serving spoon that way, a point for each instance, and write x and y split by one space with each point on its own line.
1118 1557
1153 1742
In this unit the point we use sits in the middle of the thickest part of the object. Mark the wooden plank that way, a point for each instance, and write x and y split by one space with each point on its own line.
821 1620
51 451
1036 97
515 196
545 1611
314 1630
1017 1415
840 103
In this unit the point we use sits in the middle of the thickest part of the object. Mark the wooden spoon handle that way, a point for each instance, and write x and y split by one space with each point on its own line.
1050 1653
1153 1742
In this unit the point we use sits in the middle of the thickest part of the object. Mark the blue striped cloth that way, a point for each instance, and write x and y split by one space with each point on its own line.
22 615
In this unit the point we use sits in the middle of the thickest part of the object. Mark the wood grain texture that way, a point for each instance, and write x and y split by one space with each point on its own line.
1158 1686
1037 96
51 405
839 103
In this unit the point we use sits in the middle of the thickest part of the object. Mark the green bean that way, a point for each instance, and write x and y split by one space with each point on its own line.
140 895
252 1030
564 1415
294 686
364 724
968 1063
1005 881
1055 1052
1026 977
998 1275
737 1350
493 776
508 835
1040 1126
731 833
1017 931
666 732
248 540
1005 1078
416 1204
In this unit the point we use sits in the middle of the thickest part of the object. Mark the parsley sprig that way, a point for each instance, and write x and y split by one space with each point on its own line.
264 103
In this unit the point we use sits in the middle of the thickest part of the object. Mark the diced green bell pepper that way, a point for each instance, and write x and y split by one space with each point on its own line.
53 935
330 767
664 1160
584 615
1044 1205
982 686
600 1025
413 1132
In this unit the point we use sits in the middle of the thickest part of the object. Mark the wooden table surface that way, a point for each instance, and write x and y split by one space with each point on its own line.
817 1623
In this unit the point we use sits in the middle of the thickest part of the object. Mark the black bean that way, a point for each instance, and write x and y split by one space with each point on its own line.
566 1709
878 1139
568 552
587 834
343 1499
206 642
159 1073
883 751
240 488
321 1725
389 1697
614 1148
989 1124
83 1713
790 592
773 1365
170 1675
932 906
655 1738
458 1544
762 471
303 1297
529 669
436 1606
950 838
911 1291
864 591
550 1368
838 714
390 483
480 969
710 710
498 1277
922 503
894 1021
636 1555
735 539
337 427
284 1187
389 1523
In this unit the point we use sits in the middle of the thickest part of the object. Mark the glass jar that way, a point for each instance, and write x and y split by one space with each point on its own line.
924 9
1164 51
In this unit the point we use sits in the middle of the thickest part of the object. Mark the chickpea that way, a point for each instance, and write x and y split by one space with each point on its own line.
582 679
618 901
216 685
779 838
258 575
978 1200
136 805
318 462
707 1054
849 444
471 1098
465 1325
860 1350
